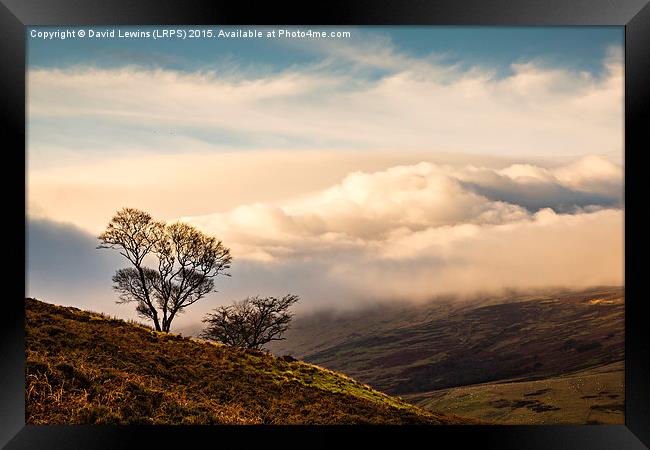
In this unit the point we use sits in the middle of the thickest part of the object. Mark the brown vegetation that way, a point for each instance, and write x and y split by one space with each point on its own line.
88 368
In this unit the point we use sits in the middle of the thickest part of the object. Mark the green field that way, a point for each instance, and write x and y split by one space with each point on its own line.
594 396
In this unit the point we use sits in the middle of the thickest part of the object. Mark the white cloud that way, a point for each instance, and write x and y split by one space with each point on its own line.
406 232
88 192
419 104
416 231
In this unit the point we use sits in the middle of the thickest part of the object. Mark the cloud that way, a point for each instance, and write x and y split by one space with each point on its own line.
416 104
368 206
88 192
416 231
591 180
548 249
63 266
545 250
404 233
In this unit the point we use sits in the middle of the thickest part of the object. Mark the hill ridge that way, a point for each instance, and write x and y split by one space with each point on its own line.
85 367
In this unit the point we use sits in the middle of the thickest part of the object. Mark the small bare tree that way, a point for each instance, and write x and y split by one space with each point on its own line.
250 323
187 262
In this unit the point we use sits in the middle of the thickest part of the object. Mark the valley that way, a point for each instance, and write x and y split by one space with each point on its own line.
494 349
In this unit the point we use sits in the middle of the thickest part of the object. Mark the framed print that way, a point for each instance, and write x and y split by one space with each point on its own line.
325 222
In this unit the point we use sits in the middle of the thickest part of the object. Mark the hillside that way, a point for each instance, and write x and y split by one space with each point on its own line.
416 350
84 367
591 396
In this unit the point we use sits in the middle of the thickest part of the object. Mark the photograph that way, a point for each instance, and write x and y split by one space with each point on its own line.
325 225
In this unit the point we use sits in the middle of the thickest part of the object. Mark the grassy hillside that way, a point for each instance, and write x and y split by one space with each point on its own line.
84 367
592 396
407 349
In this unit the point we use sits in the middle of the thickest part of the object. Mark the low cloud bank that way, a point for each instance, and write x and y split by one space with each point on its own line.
416 231
64 267
410 232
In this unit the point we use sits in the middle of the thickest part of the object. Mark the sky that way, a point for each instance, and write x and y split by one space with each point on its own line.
398 163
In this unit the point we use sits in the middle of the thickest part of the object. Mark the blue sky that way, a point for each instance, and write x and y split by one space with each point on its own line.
578 48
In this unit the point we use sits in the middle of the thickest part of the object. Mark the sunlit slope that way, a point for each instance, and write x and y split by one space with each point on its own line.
84 367
592 396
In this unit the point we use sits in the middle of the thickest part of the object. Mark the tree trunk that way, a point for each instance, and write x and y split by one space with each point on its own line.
154 313
167 324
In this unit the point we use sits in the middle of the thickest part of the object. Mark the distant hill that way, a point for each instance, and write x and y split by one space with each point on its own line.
423 351
85 367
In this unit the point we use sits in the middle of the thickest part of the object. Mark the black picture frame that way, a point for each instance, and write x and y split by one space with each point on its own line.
634 15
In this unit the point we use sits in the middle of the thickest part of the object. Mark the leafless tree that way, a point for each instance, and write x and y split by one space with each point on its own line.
250 323
187 262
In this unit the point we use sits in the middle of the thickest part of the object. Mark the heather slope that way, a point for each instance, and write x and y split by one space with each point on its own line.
84 367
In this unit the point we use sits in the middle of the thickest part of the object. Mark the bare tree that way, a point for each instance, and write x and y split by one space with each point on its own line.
187 262
250 323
